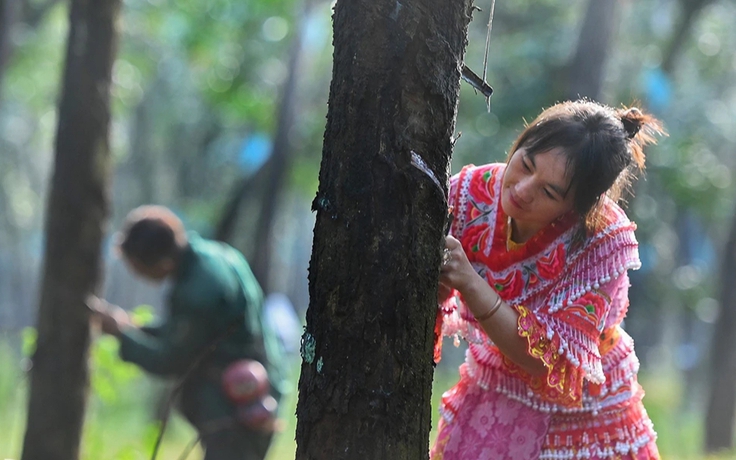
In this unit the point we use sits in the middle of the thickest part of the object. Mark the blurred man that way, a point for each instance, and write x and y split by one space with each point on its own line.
214 336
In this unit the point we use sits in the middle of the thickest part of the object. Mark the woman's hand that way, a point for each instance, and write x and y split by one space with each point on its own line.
480 298
456 271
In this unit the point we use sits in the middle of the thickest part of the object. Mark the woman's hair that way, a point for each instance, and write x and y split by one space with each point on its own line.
604 148
150 234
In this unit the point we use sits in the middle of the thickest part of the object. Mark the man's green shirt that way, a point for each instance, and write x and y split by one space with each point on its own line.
215 301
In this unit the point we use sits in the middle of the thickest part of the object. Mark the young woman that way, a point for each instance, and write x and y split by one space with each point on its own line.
534 277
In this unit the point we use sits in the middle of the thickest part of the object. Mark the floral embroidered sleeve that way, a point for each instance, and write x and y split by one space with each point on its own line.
567 340
448 315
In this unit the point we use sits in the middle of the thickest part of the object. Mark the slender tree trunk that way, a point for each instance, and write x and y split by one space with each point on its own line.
279 164
8 13
244 188
690 9
76 214
585 75
366 375
719 416
272 175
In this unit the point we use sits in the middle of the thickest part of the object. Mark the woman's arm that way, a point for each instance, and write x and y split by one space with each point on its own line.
502 324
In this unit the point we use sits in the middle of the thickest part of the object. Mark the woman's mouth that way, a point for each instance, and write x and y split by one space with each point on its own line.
514 201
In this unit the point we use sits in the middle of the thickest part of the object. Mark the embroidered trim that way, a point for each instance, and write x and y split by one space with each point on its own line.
618 430
564 381
558 296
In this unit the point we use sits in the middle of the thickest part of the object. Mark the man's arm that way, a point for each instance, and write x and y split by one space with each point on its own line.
179 342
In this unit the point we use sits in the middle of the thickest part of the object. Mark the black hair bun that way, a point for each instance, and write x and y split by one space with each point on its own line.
632 120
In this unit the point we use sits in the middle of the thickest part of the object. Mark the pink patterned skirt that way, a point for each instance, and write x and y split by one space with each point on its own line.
487 425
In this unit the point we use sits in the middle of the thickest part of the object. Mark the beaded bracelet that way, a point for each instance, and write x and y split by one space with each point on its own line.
490 311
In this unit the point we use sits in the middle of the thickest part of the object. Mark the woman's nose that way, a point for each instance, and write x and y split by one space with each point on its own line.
524 190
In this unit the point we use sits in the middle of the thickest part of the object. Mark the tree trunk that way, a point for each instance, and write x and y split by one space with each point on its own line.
719 416
585 75
279 164
76 214
366 375
8 12
690 11
270 178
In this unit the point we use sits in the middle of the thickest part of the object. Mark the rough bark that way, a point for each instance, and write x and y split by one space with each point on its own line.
719 417
585 75
76 214
367 367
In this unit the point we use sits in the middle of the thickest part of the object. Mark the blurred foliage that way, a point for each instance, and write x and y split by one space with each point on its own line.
109 373
218 67
120 421
196 93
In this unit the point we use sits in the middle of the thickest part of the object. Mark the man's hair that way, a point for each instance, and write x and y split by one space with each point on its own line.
150 234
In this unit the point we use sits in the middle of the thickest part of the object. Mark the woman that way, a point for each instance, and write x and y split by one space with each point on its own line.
534 278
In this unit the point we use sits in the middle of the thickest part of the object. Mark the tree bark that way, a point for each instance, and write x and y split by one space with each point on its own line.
585 75
719 416
366 375
76 214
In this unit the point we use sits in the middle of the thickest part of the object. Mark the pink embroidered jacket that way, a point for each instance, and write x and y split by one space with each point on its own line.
571 300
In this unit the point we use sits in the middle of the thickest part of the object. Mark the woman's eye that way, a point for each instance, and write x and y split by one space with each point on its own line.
526 166
549 194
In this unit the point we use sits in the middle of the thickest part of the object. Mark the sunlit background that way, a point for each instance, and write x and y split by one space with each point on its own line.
215 101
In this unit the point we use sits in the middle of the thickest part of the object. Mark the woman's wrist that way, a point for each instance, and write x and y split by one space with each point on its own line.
474 286
477 294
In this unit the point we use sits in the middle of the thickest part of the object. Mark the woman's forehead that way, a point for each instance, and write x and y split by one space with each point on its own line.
553 167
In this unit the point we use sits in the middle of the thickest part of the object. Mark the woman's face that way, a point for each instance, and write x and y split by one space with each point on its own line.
536 191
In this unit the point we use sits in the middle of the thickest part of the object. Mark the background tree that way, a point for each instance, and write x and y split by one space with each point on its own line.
77 213
367 369
722 399
597 34
7 18
196 84
270 181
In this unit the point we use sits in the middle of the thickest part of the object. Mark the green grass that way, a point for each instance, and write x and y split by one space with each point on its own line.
120 410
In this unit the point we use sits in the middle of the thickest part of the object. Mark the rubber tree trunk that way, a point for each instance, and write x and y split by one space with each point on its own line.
76 215
366 375
585 75
719 416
